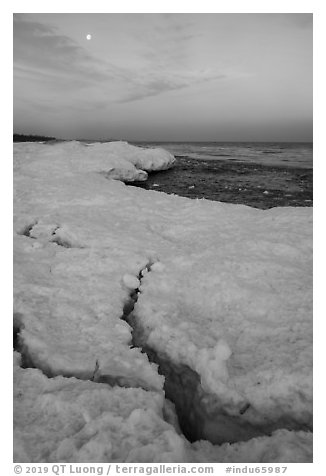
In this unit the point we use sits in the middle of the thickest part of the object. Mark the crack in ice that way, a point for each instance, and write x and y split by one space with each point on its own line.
198 415
201 416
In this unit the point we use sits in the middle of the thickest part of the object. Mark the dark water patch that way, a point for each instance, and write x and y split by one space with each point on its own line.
232 181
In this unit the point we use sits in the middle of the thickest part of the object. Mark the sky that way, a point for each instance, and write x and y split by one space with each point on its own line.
164 77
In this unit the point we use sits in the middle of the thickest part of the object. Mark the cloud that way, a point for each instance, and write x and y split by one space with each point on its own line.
40 52
167 39
158 84
53 69
165 45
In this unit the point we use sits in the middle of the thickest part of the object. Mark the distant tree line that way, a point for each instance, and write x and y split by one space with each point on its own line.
31 138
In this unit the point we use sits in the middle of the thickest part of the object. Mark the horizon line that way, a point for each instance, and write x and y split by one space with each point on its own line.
160 140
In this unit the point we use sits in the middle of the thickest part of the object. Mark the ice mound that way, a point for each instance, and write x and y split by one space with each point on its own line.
145 159
115 160
224 302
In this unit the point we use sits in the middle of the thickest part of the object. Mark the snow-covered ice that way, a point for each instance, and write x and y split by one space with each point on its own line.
225 303
69 420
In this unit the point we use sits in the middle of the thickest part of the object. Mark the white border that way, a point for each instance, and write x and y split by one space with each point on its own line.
166 6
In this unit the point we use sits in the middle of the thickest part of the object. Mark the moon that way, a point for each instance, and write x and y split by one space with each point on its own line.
88 37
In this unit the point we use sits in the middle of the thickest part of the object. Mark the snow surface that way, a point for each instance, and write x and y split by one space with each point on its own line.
69 420
226 291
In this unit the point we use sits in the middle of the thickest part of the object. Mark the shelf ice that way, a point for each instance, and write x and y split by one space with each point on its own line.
219 296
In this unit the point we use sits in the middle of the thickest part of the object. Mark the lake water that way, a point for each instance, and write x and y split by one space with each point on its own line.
261 175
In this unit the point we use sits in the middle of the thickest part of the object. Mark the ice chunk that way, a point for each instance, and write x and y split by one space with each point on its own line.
157 266
222 350
69 420
131 282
